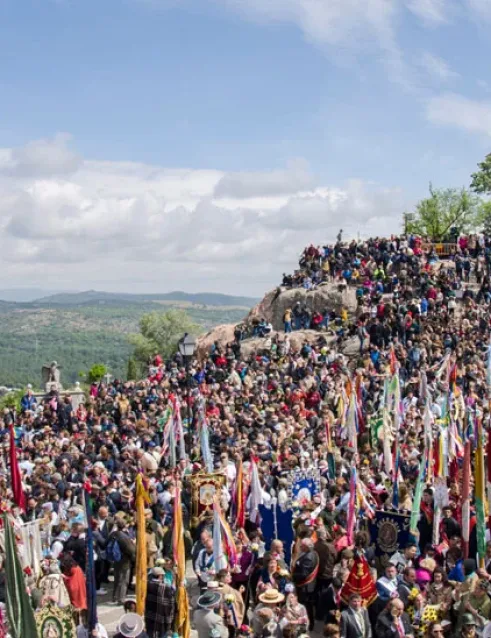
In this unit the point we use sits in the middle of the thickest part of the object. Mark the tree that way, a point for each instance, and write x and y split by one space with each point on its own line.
132 372
485 217
444 210
481 180
96 373
159 334
11 400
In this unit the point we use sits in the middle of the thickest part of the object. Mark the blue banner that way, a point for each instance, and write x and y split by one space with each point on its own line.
389 532
283 526
89 569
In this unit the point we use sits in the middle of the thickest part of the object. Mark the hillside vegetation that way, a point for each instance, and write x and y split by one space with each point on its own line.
78 330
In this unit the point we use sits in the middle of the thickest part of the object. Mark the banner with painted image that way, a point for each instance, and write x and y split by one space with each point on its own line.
389 532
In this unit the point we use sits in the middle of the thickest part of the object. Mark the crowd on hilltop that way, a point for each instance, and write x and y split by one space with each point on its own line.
389 429
378 261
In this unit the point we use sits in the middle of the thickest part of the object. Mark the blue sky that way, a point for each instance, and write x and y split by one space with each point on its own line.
347 100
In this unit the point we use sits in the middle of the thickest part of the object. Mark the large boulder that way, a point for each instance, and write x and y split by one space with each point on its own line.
222 334
351 347
297 340
329 296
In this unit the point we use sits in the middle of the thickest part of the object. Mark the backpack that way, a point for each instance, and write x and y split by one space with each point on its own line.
113 551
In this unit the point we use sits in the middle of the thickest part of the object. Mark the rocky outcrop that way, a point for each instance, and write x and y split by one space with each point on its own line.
297 340
351 347
328 296
222 334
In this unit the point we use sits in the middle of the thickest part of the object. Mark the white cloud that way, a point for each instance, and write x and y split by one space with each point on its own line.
243 185
112 225
481 8
431 12
331 22
437 67
451 109
40 158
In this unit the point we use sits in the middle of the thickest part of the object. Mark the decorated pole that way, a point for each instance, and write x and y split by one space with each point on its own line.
465 498
142 498
182 620
479 496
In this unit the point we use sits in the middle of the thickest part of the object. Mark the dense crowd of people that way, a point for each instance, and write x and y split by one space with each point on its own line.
423 325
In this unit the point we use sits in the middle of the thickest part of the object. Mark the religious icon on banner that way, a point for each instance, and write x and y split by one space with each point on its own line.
303 485
54 622
207 494
389 532
203 489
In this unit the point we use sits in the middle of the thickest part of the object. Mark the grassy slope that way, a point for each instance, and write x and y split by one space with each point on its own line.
77 336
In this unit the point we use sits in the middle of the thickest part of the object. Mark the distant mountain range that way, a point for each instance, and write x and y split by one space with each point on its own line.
25 294
36 296
78 329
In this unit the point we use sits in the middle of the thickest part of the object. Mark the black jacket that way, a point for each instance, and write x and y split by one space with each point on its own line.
76 548
126 545
350 628
304 567
385 626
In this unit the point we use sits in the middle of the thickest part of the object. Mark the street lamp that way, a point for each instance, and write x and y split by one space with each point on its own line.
187 346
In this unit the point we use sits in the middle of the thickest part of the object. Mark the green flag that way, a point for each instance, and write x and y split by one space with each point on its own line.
418 493
19 609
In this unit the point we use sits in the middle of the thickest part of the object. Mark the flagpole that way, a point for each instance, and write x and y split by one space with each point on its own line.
142 497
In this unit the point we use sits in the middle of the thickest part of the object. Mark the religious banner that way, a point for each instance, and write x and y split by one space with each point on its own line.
389 531
203 489
29 541
303 485
360 582
54 622
277 524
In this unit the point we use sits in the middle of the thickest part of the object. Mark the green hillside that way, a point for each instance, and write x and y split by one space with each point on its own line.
80 332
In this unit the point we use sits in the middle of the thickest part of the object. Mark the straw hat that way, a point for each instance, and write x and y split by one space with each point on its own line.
428 563
271 597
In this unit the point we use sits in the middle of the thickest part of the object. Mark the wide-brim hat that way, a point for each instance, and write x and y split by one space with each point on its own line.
209 599
271 597
130 625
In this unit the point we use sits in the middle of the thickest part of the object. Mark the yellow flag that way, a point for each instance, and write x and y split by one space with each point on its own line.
142 497
182 623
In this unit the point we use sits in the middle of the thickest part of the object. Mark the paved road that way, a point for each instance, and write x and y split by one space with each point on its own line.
110 615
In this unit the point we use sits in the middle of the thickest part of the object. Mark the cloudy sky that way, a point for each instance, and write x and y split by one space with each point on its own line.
152 145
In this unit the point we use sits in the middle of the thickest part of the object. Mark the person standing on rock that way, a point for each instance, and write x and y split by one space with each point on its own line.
297 316
287 320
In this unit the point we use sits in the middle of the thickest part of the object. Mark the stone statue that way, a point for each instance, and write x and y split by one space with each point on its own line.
51 377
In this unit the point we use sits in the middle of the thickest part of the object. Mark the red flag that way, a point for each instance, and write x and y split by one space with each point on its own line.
17 489
393 361
360 582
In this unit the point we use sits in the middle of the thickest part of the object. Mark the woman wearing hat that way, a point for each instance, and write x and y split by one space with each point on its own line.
207 615
268 610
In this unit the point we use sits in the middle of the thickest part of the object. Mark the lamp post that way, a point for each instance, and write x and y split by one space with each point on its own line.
187 346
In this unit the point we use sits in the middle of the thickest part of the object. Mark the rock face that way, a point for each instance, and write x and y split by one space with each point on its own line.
327 296
222 334
297 340
272 308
